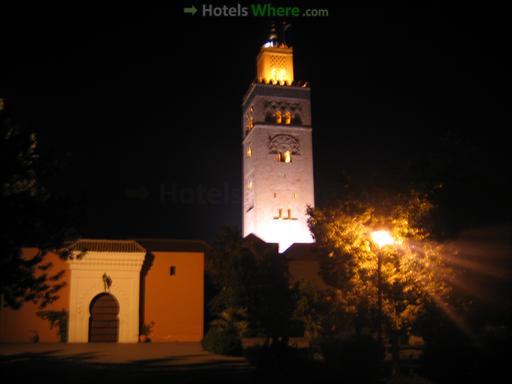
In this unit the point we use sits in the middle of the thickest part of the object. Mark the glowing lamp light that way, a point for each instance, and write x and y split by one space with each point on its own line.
382 238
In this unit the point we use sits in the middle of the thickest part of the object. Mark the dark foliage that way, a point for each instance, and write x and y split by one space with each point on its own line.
31 217
250 277
229 266
59 320
223 341
271 300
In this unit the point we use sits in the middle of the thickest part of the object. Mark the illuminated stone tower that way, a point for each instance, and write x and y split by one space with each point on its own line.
277 150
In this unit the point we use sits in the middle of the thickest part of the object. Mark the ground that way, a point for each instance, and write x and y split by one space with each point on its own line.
112 363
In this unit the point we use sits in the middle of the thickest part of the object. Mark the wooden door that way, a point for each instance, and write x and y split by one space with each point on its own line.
103 323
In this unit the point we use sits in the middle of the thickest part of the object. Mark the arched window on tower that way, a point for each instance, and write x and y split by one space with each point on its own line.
250 123
287 118
279 117
297 120
284 157
290 216
279 214
249 119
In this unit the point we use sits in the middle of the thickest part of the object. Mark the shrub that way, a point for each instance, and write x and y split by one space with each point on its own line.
223 341
357 356
145 332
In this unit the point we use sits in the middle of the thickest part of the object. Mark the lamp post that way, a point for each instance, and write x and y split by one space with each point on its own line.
381 238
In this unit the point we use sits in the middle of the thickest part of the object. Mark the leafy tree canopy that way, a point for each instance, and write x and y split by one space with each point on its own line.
30 217
414 269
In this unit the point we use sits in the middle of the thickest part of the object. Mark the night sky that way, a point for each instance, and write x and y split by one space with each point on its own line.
143 105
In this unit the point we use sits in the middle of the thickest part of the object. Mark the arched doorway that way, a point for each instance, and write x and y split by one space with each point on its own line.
103 323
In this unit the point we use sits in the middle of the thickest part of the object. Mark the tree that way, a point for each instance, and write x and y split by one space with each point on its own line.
229 265
271 299
318 310
30 217
414 273
252 286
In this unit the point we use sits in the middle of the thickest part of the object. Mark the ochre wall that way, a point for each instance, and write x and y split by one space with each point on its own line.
23 324
175 303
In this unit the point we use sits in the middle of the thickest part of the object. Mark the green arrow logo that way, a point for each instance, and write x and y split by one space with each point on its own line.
192 10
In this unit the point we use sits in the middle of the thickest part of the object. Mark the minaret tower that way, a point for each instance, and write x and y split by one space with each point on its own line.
277 150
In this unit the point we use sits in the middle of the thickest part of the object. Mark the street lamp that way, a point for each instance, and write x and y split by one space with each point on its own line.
381 238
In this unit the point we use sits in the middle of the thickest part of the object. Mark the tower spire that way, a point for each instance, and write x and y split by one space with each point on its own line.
272 40
286 26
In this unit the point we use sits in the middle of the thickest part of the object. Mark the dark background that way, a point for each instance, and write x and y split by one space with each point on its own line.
137 100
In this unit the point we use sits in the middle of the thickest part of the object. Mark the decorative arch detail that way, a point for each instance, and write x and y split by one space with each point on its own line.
281 143
283 112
